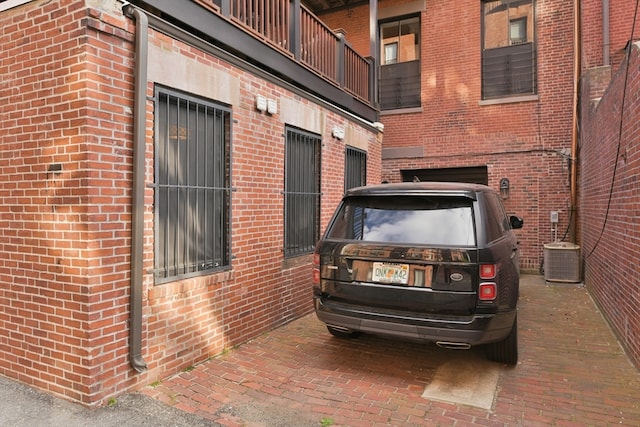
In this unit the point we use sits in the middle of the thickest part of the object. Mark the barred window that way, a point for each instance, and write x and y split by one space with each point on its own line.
301 192
355 168
508 49
193 178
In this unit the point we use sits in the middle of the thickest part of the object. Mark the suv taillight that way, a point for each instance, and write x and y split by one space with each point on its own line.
487 271
316 268
487 291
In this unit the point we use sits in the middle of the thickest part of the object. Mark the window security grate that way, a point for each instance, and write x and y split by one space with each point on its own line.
193 177
355 168
302 192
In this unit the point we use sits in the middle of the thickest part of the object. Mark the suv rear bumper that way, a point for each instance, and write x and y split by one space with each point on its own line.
472 330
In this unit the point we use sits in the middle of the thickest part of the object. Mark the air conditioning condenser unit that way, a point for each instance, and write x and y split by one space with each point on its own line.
562 262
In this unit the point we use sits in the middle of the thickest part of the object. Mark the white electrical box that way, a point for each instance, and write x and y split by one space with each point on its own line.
554 217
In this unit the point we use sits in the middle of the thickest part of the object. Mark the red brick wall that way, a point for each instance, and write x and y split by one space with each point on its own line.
592 33
609 197
521 141
65 211
621 14
355 21
50 228
356 26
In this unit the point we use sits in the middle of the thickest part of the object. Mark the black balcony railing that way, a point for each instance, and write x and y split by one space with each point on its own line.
296 31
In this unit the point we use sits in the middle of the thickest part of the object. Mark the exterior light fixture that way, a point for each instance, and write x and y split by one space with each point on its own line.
272 106
338 132
261 103
504 188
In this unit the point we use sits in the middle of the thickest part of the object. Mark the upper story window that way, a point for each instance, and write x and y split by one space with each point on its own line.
193 186
391 53
518 30
399 83
508 48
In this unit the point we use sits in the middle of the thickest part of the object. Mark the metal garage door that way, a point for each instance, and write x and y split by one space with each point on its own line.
476 175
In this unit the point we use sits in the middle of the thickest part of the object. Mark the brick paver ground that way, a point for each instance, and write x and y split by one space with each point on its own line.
572 372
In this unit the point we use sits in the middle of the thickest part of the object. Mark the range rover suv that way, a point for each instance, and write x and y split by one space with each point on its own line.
424 261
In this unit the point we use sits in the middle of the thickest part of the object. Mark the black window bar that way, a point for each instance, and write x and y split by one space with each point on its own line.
193 186
355 168
301 192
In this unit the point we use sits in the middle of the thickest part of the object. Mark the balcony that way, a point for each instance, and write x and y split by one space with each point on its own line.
284 38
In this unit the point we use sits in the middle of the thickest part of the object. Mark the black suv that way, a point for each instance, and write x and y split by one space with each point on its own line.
428 261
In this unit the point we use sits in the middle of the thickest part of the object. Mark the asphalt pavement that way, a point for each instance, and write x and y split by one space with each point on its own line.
23 406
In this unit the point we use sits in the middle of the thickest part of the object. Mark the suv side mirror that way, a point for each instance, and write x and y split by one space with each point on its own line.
516 221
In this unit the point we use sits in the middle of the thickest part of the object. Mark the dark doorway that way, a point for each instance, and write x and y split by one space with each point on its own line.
476 175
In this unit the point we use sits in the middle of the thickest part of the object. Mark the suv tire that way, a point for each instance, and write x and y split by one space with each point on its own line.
505 351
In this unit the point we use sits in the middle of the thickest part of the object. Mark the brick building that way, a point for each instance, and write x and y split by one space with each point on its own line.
159 196
465 117
609 192
102 287
492 97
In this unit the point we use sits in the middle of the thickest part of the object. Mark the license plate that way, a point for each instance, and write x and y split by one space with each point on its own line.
386 272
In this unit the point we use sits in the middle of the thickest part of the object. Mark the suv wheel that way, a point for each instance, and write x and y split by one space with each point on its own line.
505 351
342 333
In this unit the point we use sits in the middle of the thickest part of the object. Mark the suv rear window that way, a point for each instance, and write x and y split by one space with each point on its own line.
439 221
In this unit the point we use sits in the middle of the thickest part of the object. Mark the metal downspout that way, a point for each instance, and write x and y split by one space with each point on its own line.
577 59
374 52
605 32
137 206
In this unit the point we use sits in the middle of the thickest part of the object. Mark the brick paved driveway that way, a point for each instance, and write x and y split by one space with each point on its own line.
572 372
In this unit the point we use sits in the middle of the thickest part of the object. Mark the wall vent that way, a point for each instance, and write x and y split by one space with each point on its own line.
562 262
